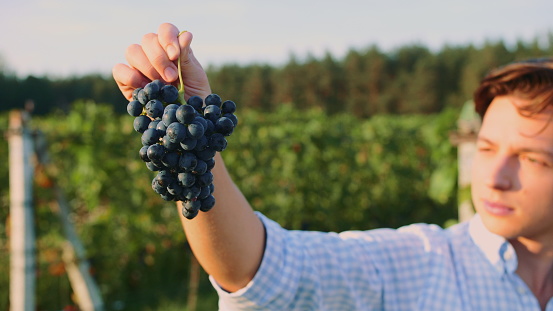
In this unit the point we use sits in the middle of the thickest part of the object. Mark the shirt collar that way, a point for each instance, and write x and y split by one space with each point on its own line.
499 252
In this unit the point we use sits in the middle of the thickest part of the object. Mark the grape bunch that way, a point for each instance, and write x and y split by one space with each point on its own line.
180 140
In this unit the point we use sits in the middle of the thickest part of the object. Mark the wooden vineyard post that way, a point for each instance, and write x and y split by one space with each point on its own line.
74 253
22 232
468 126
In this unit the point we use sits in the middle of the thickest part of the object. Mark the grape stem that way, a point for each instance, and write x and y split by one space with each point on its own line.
181 81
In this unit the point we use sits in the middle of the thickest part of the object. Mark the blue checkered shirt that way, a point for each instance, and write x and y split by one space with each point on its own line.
416 267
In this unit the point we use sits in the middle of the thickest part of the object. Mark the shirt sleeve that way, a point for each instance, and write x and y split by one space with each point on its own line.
309 270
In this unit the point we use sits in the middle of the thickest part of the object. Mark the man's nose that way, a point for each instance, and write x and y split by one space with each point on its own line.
502 172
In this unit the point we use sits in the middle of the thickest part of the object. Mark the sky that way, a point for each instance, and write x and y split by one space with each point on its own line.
61 38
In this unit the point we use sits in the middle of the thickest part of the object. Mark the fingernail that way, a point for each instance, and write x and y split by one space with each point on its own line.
170 74
172 52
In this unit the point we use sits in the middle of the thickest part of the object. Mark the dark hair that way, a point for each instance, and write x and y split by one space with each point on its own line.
530 80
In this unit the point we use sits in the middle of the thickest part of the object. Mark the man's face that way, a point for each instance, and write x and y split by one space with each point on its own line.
512 177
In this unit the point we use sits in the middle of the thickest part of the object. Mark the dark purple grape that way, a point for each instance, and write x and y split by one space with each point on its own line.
152 90
201 143
187 179
197 102
169 94
169 116
201 168
191 193
186 114
213 99
207 203
212 112
156 152
228 107
188 162
150 137
195 130
171 159
135 93
205 179
224 126
191 212
134 108
232 117
154 108
188 143
176 132
141 123
143 153
217 142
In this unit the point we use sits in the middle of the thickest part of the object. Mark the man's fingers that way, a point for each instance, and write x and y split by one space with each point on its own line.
168 39
137 59
128 79
158 57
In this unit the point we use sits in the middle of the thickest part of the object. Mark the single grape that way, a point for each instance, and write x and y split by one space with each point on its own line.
171 159
156 152
213 99
186 114
175 188
169 94
172 106
162 128
154 108
158 187
201 168
134 108
191 193
232 117
207 203
217 142
202 143
135 93
153 167
205 179
210 164
188 162
224 126
188 143
142 97
204 192
228 107
190 214
195 130
212 112
164 178
167 196
150 137
152 90
197 102
168 144
187 179
143 153
206 154
176 132
141 123
154 123
169 116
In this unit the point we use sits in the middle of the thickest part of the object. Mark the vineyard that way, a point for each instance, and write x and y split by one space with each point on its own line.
305 169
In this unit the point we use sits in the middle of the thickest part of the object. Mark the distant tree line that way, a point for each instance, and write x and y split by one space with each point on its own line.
365 82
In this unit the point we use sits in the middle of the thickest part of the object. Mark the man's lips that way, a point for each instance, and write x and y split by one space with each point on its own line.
497 208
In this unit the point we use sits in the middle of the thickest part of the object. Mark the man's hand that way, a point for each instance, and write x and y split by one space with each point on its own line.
156 58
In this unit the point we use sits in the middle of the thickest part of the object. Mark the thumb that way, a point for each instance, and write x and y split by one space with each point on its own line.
194 76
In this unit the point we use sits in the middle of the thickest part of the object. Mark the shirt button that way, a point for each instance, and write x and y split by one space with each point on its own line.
521 290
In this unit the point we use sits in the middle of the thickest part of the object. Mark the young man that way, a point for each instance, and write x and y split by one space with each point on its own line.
500 260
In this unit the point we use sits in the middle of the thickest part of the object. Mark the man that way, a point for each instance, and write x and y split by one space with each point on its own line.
500 260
